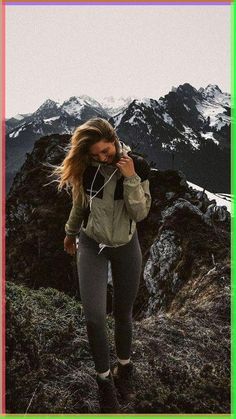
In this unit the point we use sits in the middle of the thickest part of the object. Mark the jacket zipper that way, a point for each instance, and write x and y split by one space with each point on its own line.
130 225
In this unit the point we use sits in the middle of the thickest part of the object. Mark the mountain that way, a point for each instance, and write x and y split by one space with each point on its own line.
181 342
114 105
14 121
51 117
187 129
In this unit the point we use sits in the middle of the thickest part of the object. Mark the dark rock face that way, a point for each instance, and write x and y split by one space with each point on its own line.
186 240
181 315
36 216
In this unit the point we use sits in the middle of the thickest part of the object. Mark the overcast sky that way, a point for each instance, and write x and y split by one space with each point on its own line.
59 51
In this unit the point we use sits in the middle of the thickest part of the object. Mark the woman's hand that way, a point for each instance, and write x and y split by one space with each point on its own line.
70 245
126 166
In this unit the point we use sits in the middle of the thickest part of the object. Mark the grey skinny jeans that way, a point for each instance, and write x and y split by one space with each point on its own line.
126 262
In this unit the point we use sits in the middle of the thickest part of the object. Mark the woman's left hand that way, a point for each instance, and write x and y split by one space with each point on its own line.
126 166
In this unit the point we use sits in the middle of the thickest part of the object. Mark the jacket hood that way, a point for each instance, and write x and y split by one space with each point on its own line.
123 148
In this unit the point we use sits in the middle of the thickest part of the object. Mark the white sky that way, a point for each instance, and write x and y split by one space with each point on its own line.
59 51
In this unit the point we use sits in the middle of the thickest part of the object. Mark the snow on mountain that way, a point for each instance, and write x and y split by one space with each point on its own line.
50 120
53 116
114 105
49 106
215 112
137 113
209 136
214 106
213 91
88 100
176 132
221 199
187 128
172 145
117 119
201 113
75 105
72 107
191 137
19 117
16 133
167 118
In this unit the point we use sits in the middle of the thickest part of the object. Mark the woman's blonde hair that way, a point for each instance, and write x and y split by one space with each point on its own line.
70 172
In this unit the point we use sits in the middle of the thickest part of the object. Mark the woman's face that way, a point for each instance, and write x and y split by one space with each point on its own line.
103 151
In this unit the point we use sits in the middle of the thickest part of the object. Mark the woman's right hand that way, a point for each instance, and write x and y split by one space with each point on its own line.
70 245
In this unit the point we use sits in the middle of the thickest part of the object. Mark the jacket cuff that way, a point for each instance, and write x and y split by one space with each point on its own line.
132 180
71 233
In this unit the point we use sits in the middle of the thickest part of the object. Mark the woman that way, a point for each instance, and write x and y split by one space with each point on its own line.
110 189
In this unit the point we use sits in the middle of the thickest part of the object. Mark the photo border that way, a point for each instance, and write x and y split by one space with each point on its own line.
5 4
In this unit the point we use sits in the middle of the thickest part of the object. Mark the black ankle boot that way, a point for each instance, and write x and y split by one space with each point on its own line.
107 395
123 379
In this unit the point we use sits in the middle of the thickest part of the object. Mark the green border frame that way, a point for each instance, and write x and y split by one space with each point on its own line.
230 415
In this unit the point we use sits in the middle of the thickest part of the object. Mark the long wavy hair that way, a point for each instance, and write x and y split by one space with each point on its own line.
70 173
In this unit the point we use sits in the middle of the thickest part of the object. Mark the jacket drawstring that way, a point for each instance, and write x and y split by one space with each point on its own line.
91 196
91 190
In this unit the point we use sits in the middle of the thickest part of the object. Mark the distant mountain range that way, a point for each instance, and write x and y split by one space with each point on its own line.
187 129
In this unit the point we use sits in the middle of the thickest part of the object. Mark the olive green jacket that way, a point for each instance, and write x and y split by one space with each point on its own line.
116 206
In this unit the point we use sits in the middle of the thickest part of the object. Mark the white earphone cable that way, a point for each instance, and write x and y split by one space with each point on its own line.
91 190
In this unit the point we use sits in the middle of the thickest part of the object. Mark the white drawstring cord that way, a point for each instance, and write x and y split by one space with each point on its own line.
101 245
91 189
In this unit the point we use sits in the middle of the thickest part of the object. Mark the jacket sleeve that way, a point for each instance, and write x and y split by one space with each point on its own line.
73 224
137 195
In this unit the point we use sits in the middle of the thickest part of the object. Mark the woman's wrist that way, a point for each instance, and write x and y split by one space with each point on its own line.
131 176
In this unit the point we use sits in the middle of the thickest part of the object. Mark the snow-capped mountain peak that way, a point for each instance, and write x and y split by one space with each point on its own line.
19 116
115 106
88 100
186 121
212 90
48 109
76 104
47 105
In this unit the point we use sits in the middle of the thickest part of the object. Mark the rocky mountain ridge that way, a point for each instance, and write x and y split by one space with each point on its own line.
187 129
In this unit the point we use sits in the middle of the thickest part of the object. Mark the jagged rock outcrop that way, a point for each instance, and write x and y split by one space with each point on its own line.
36 215
187 239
